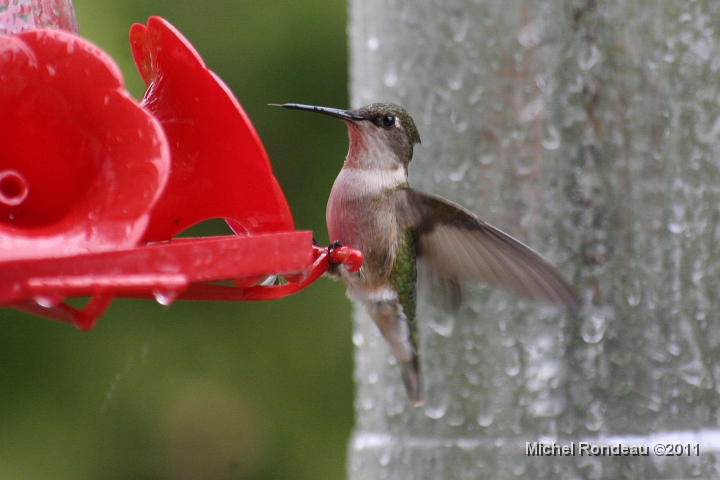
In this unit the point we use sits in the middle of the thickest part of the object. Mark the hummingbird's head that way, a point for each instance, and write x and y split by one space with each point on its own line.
382 135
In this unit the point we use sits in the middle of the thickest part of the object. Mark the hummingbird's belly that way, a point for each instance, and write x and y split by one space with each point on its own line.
359 220
368 223
349 224
359 208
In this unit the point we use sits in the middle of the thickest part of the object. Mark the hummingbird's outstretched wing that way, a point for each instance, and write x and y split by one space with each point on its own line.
444 293
460 247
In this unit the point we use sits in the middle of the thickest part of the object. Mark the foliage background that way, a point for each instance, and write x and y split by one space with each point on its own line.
204 390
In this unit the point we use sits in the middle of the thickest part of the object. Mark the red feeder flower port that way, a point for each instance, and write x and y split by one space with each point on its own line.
93 186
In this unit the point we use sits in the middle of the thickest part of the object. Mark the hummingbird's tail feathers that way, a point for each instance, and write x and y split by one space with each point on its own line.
413 380
393 324
459 246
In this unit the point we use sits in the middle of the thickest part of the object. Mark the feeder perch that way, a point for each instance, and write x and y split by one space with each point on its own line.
94 187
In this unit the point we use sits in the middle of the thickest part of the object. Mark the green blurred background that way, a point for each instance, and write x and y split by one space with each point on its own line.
204 390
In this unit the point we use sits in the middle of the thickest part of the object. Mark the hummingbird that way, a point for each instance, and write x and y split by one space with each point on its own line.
401 231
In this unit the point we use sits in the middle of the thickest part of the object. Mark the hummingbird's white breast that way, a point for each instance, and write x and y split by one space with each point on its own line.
360 214
353 196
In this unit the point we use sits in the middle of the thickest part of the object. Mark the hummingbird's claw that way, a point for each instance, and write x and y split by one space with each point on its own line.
330 249
340 254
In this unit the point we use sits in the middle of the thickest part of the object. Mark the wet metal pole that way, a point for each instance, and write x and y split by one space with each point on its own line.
591 131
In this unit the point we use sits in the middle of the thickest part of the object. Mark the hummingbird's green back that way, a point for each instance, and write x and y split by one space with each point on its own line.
403 279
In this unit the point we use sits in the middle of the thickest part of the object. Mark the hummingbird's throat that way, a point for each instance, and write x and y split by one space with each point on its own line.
370 148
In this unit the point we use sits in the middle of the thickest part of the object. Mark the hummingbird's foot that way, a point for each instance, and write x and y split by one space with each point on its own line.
330 248
338 254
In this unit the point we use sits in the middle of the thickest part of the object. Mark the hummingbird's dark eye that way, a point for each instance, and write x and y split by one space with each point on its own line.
388 120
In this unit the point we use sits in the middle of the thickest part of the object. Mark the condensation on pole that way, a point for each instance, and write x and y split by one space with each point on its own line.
588 130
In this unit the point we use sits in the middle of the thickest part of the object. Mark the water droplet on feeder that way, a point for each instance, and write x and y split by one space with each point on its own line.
165 297
49 300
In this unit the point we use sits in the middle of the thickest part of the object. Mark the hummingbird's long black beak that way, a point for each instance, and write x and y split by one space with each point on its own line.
333 112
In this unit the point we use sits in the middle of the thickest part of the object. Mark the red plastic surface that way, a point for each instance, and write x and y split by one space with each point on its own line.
81 162
219 166
160 272
84 182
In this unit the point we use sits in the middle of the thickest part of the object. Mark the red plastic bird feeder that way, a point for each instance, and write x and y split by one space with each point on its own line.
93 186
